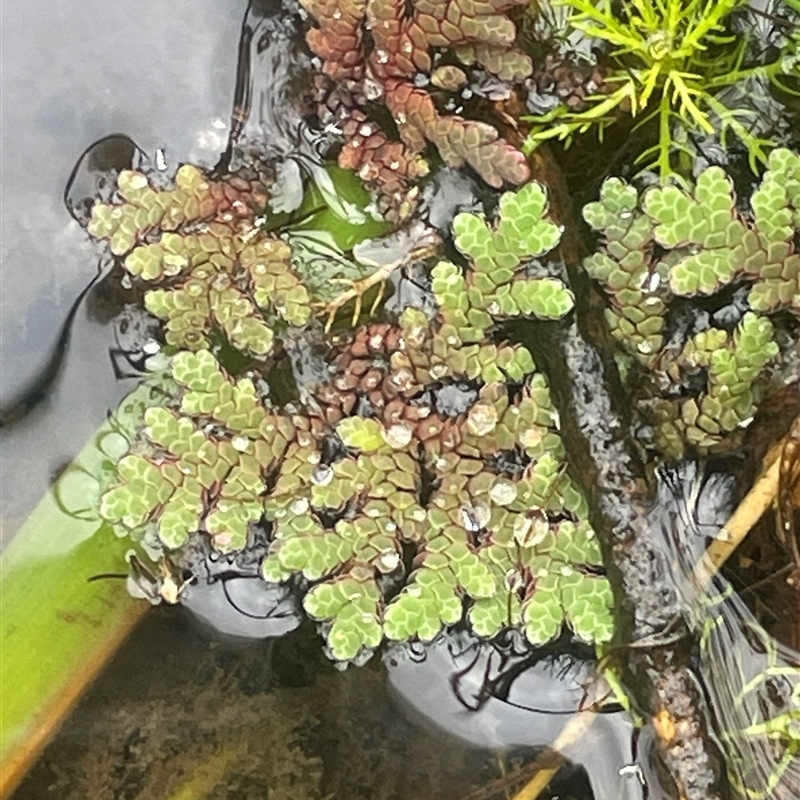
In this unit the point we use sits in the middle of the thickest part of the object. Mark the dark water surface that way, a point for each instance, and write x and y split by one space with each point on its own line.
72 72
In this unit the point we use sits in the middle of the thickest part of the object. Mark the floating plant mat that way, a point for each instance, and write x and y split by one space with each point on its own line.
461 479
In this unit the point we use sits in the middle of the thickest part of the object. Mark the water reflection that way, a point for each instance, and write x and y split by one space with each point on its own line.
230 596
501 697
752 682
137 66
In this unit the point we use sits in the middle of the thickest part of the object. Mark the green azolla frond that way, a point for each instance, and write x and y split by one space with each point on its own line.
367 435
381 488
176 434
180 515
273 281
448 552
198 371
352 606
618 201
450 287
473 236
545 298
521 541
212 393
144 208
232 279
424 607
702 219
588 602
522 231
543 613
733 364
776 201
303 545
566 587
195 477
678 242
240 321
493 288
488 616
143 489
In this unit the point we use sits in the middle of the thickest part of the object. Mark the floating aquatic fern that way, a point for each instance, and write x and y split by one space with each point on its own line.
186 479
503 536
212 268
670 242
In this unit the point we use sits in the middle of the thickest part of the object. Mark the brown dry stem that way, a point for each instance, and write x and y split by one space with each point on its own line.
359 288
773 484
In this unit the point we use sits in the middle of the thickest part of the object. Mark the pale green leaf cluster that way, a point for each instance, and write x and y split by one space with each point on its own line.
235 288
733 363
673 242
187 479
350 606
145 208
494 286
477 521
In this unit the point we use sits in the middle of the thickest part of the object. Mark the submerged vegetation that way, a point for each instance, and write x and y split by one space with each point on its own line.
423 470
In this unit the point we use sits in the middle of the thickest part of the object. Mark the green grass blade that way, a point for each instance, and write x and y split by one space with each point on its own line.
57 628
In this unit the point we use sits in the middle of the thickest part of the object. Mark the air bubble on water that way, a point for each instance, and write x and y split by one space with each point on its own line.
240 443
322 475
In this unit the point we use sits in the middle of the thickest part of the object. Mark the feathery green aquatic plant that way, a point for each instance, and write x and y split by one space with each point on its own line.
502 541
670 60
669 242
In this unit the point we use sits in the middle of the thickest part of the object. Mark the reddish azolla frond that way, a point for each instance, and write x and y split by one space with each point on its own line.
403 41
194 198
459 140
506 63
384 165
339 38
402 36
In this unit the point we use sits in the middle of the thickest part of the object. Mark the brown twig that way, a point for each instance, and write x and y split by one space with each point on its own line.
757 501
546 771
775 483
359 288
